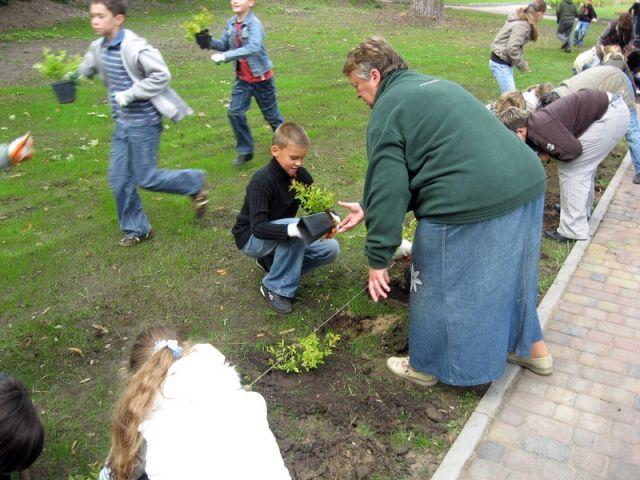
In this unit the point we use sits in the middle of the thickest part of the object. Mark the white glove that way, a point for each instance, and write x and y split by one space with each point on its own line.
293 231
120 99
336 218
404 250
218 58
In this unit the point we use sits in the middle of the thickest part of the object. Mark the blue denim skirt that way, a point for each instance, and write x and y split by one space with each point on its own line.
474 295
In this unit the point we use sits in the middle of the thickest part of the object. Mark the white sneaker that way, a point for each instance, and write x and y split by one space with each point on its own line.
400 366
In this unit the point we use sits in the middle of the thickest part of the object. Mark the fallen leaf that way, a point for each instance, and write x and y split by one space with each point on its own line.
221 272
289 330
100 330
85 380
27 228
260 335
76 351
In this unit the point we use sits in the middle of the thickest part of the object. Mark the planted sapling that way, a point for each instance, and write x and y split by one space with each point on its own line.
304 354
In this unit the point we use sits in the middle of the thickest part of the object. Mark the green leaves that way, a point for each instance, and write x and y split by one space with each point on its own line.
199 22
313 199
57 66
305 354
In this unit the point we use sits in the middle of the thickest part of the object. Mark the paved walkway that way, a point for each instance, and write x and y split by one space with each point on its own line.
582 422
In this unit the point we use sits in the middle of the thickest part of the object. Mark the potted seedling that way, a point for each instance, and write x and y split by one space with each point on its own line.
62 71
317 203
198 27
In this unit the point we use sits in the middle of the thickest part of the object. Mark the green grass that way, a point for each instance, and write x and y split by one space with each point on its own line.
62 270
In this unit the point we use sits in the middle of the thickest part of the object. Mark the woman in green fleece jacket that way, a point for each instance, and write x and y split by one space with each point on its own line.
478 194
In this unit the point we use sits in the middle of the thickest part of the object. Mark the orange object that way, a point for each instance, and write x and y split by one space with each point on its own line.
21 149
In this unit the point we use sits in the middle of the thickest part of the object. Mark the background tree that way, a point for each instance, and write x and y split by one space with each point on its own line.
429 8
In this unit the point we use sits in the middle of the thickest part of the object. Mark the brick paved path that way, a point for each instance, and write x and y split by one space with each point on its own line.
582 422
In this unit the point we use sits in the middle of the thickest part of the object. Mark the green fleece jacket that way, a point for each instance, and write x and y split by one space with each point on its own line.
434 149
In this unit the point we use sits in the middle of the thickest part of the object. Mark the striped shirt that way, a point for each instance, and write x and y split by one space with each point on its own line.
138 112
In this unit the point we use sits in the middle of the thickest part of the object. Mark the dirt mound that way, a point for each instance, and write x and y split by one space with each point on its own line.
34 14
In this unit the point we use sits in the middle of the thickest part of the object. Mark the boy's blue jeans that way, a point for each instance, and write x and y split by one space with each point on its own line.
580 33
291 259
133 163
265 95
503 75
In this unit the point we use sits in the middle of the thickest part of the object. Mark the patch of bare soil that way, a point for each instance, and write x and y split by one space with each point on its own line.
20 14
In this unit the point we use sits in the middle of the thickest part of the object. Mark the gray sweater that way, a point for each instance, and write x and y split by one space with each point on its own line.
147 69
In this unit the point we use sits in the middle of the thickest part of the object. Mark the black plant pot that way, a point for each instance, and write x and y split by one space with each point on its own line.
65 91
312 227
203 39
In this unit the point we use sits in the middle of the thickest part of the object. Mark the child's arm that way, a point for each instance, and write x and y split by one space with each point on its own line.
221 45
88 67
155 81
260 199
252 44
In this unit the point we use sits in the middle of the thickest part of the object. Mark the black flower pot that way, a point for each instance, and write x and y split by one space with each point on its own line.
65 91
203 39
312 227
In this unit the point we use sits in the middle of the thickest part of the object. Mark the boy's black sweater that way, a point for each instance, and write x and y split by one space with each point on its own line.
268 198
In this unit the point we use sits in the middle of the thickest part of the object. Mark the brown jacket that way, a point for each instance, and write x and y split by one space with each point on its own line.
509 42
556 128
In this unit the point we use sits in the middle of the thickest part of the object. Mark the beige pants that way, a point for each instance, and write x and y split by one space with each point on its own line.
577 178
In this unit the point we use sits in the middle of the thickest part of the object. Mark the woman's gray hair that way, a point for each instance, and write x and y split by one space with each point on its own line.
374 52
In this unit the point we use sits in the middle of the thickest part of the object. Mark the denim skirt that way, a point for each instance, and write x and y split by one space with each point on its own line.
474 295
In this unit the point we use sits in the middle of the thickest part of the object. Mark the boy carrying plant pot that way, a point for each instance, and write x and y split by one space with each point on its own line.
242 42
266 226
138 82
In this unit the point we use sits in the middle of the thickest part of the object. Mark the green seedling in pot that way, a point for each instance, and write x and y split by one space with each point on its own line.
199 23
313 199
58 66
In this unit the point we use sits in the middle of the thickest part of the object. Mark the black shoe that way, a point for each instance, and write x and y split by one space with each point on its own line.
553 235
264 263
276 302
636 179
242 158
556 207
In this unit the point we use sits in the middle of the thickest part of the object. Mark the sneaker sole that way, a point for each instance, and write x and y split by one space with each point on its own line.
284 312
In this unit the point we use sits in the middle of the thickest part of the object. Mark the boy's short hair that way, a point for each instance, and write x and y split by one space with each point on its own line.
21 429
117 7
290 134
513 117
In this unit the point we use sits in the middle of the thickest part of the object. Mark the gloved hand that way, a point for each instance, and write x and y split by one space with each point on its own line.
21 149
74 77
218 58
121 99
203 40
293 231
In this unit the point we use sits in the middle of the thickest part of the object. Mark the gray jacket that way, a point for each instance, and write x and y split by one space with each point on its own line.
509 42
147 69
603 78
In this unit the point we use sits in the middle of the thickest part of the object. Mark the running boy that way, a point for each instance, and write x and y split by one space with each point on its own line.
266 225
242 42
138 82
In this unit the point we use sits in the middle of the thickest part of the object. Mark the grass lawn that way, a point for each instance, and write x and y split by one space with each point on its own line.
63 275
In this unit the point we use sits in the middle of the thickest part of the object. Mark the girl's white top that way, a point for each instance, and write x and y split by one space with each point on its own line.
205 426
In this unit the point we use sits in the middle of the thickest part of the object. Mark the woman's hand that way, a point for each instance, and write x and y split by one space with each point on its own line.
378 283
355 216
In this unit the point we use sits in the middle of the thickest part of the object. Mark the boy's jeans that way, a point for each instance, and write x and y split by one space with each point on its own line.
291 259
133 163
564 34
580 33
265 95
503 75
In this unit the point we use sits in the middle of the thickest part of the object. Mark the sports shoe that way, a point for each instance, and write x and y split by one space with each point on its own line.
131 241
636 179
264 263
553 235
276 302
400 366
242 158
201 200
540 366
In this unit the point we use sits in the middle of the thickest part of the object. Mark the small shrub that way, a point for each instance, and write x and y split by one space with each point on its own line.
409 229
313 199
58 66
306 353
198 23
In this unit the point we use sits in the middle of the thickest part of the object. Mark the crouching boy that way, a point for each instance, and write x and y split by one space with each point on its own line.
266 228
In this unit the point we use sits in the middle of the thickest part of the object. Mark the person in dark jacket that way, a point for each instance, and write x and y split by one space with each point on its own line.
507 49
579 131
266 228
634 11
478 195
618 32
586 15
566 13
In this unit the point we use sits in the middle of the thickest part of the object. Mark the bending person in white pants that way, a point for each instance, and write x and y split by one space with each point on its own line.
579 131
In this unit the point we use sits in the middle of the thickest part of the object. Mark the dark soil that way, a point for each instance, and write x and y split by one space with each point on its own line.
35 14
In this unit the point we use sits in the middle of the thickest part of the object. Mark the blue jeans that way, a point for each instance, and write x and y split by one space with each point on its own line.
133 163
473 295
503 75
633 132
581 31
291 259
265 95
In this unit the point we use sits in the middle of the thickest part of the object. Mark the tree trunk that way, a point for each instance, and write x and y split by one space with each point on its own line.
428 8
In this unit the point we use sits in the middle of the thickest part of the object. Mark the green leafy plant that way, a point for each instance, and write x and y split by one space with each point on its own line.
58 66
409 229
198 23
304 354
313 199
